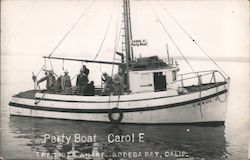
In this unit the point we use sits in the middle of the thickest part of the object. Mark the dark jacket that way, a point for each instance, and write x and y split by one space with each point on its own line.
89 90
81 80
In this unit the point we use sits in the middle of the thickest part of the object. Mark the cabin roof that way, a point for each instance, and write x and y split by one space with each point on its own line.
150 63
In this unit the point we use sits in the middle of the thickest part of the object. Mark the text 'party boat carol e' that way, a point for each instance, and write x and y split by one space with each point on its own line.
152 91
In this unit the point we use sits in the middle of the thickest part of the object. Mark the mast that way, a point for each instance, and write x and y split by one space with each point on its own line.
128 37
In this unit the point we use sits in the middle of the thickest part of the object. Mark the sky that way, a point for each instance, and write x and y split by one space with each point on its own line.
34 27
31 29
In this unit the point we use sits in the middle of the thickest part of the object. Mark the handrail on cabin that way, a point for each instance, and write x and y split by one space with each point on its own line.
199 76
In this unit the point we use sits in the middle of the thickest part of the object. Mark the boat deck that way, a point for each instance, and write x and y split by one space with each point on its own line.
197 88
30 94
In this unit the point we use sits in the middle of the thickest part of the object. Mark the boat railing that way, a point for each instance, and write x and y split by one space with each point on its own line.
199 78
169 61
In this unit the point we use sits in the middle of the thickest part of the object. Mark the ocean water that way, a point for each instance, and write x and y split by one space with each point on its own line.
21 136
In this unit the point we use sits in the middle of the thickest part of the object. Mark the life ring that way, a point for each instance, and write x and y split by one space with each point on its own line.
115 119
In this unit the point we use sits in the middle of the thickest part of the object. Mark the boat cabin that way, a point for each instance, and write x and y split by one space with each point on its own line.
152 74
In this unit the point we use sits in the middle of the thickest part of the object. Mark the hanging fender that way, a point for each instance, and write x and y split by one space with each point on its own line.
114 111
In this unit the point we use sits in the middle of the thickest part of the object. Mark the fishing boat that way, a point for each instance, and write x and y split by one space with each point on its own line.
155 92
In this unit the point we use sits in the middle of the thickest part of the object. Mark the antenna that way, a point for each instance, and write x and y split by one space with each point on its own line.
167 51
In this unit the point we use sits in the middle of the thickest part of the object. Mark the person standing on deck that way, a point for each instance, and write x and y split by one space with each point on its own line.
85 70
50 80
118 83
81 82
107 83
58 86
66 83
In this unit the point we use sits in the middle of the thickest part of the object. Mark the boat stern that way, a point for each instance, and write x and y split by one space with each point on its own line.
17 102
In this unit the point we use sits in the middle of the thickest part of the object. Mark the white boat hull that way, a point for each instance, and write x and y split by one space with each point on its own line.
150 108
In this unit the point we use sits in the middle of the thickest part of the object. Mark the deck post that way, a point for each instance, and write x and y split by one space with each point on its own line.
182 83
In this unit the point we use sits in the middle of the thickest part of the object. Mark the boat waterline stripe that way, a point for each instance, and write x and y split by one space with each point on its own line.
74 101
108 110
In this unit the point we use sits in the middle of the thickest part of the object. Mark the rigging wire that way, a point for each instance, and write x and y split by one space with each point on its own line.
72 27
105 35
63 64
119 37
165 9
43 67
165 29
116 43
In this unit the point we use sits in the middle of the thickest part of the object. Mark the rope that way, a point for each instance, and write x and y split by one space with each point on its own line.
118 99
112 72
199 79
51 65
119 37
105 35
165 29
63 64
217 90
35 76
165 9
45 62
115 48
74 77
40 70
72 27
221 101
210 58
38 101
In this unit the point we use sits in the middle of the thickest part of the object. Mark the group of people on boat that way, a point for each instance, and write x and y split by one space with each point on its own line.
63 84
113 84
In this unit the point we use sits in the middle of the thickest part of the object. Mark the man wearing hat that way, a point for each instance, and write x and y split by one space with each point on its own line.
117 83
85 70
50 80
66 82
107 83
81 81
